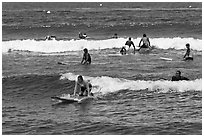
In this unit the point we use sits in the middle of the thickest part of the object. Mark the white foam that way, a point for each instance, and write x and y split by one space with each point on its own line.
108 84
76 45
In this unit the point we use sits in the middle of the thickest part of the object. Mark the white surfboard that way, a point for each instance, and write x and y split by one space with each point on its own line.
85 99
168 59
72 99
67 100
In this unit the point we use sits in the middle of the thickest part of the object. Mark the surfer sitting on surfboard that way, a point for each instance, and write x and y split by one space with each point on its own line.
86 57
82 87
178 76
146 42
129 43
187 55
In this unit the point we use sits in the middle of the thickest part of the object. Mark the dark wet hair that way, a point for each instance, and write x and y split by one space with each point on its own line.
129 38
178 72
188 44
144 35
80 76
85 50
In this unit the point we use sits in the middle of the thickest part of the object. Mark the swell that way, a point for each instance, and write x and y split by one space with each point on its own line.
33 87
70 31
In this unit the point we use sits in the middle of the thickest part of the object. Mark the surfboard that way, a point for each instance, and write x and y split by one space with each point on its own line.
85 99
67 100
115 54
168 59
61 63
71 99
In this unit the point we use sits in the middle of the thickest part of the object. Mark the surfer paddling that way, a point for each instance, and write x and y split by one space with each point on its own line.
178 76
82 87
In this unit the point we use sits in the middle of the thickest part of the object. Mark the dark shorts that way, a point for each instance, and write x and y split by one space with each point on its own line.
144 46
84 91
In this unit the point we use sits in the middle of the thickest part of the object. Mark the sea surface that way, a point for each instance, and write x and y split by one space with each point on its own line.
134 93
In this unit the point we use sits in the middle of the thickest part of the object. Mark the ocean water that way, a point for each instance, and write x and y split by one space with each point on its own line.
135 94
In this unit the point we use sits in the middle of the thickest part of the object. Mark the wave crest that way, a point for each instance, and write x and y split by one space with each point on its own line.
106 84
54 46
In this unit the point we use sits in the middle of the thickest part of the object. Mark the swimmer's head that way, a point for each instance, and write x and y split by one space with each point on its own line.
129 38
187 45
85 50
80 78
178 73
144 35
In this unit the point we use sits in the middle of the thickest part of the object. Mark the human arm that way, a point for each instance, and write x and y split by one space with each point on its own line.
83 59
134 47
76 88
140 42
187 53
87 87
149 42
86 58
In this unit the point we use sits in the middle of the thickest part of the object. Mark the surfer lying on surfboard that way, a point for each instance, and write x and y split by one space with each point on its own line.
82 87
178 76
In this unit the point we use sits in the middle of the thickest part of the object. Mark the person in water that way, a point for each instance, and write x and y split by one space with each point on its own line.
187 55
145 41
178 76
82 87
123 51
86 57
115 36
129 43
82 36
50 37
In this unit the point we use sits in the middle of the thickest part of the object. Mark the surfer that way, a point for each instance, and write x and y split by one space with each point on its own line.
123 51
146 42
178 76
82 36
82 87
86 57
115 36
129 43
50 37
187 55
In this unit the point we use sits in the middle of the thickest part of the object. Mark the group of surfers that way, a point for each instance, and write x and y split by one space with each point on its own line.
83 87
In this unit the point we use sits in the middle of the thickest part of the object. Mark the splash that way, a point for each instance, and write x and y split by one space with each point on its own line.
108 84
54 46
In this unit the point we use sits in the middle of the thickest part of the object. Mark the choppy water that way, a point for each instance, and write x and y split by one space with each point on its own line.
135 94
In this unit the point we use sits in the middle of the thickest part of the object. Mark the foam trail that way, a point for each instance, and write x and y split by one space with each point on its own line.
78 45
109 84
